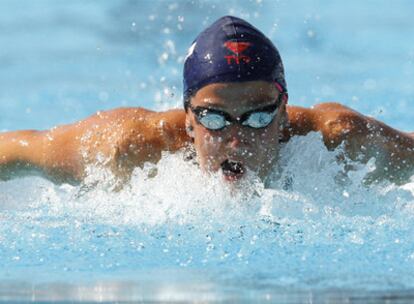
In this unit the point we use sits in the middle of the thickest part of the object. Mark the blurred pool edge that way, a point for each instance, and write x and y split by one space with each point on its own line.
185 292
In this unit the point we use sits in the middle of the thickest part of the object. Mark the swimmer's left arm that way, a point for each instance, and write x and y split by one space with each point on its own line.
364 138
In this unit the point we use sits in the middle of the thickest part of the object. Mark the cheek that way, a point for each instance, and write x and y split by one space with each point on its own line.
206 142
268 137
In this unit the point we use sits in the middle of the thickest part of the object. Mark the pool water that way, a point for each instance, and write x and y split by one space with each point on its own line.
312 234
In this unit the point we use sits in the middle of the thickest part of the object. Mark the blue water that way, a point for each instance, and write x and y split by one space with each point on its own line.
189 237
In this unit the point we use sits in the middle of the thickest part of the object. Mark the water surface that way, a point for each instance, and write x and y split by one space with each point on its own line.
312 235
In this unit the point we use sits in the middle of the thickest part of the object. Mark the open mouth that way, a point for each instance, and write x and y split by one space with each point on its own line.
232 170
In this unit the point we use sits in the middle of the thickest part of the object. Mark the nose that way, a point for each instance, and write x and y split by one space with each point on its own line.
236 137
234 142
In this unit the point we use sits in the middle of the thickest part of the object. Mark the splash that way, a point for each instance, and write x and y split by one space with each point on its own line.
312 225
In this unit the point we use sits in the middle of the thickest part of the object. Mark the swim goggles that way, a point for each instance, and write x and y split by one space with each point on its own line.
215 120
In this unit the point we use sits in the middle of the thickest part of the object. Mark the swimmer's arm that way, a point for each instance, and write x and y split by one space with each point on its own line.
14 157
61 154
119 140
31 152
365 138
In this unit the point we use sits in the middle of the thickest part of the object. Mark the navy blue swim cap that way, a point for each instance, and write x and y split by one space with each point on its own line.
231 50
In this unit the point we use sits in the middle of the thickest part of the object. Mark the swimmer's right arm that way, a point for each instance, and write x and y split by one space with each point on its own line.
33 152
120 140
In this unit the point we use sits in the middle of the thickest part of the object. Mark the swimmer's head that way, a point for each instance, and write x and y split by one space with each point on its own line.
235 96
231 50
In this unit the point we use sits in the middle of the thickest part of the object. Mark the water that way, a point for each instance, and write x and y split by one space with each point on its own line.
181 235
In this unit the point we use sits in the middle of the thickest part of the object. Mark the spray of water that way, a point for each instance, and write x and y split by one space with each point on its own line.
312 224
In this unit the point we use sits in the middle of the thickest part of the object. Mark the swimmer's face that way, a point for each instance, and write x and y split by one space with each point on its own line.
236 147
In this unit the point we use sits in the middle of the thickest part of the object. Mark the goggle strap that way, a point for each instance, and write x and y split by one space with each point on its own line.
282 91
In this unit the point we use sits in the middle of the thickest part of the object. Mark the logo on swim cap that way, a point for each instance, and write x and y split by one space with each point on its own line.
237 48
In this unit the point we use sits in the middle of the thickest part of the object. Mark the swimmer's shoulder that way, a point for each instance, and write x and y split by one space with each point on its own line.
142 135
332 119
133 120
129 137
122 136
138 125
319 113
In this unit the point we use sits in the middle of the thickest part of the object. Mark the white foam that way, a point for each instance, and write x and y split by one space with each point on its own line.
313 225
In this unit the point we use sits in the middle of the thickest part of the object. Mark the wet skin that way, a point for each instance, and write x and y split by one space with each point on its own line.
254 149
125 138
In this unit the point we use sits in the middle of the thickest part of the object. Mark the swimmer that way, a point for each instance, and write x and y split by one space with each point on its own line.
235 117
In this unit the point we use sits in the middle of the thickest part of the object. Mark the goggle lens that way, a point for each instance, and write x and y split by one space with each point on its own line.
259 120
212 121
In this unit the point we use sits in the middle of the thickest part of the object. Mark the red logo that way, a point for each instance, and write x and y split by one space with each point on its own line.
237 48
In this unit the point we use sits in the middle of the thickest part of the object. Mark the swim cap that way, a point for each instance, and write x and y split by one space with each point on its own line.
231 50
